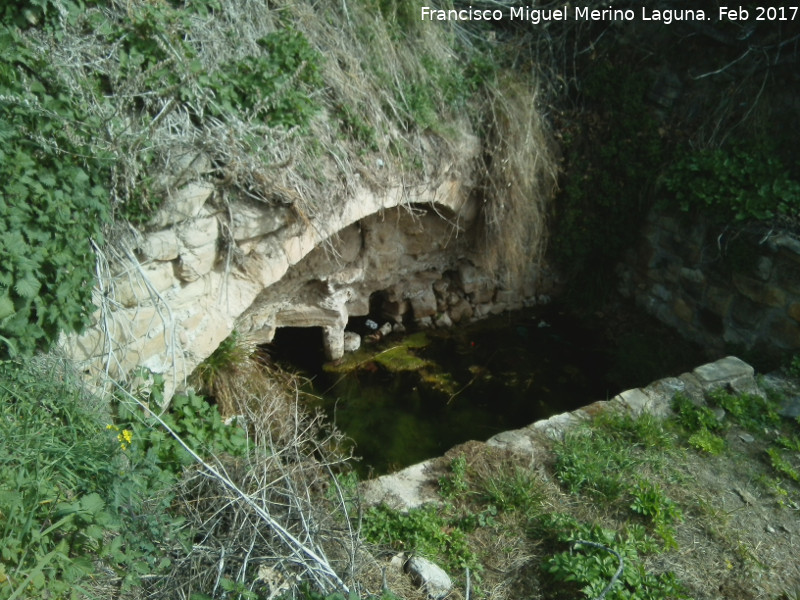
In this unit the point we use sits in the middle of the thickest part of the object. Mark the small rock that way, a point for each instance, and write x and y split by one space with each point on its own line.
747 438
746 496
770 529
443 321
352 341
397 562
399 328
719 413
429 576
369 323
385 329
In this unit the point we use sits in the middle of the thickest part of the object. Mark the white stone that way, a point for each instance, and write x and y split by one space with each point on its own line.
251 220
160 245
431 577
725 371
198 232
184 203
137 285
333 341
352 341
423 303
443 321
197 262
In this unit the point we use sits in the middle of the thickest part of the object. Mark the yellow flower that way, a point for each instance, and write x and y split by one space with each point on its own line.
128 435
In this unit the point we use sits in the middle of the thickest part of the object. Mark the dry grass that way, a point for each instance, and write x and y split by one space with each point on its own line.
521 178
278 516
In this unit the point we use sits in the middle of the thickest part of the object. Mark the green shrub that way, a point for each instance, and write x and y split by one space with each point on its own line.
455 483
423 530
595 459
738 182
750 411
693 418
52 203
588 568
705 441
277 85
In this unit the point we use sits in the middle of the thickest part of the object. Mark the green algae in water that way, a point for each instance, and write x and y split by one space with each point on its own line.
397 357
406 399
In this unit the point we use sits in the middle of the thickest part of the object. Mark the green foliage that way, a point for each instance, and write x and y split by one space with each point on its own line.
750 411
779 461
706 441
587 570
596 459
740 183
519 492
52 203
75 500
454 484
53 462
693 417
277 85
196 422
229 355
423 530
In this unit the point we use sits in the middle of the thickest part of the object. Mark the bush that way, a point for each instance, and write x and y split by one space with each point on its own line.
739 183
52 203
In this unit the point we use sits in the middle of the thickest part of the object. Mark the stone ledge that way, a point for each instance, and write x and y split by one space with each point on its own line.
418 484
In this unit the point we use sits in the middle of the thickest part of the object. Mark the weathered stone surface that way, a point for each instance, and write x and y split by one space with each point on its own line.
256 220
137 286
352 341
794 311
693 275
430 577
730 371
197 232
763 268
333 342
161 245
184 203
471 278
682 310
443 321
518 440
483 294
461 311
184 167
423 303
788 243
635 400
718 300
196 262
785 334
404 490
758 291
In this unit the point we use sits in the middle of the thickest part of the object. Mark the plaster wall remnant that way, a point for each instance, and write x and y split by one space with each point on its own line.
208 264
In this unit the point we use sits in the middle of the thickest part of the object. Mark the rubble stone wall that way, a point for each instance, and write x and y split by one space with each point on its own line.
727 288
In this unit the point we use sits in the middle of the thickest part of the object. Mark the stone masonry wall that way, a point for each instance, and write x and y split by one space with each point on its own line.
211 261
728 289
